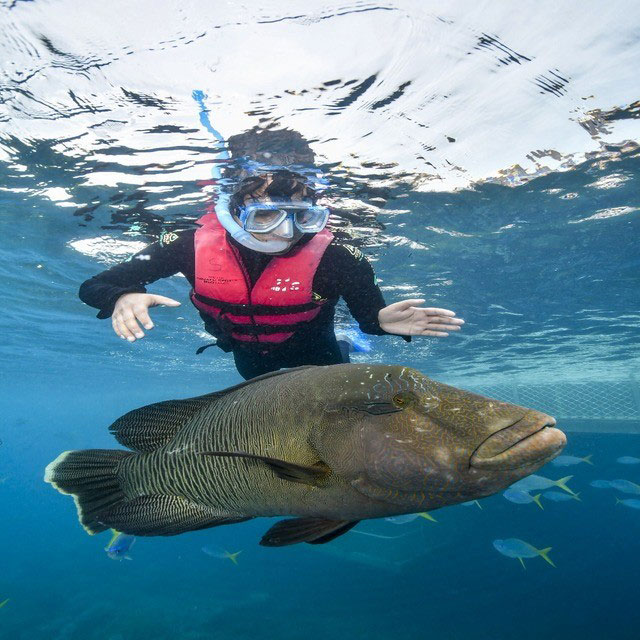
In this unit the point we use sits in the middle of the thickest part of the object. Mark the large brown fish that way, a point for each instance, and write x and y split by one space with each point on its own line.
329 445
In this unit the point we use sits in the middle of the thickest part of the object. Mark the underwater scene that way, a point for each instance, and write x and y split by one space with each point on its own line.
437 203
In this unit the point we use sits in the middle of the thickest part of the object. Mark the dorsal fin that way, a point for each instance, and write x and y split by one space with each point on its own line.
150 427
147 428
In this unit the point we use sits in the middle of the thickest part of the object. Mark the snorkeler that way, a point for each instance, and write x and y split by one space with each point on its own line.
266 276
266 273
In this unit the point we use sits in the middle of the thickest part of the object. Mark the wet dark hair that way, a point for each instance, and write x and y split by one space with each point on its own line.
272 148
285 185
278 147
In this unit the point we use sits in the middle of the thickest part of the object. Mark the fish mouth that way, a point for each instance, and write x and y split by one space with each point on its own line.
529 441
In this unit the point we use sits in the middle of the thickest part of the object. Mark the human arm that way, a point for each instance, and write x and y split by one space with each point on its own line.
405 318
120 293
355 282
367 305
132 310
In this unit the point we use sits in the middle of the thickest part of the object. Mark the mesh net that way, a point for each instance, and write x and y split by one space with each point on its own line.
606 400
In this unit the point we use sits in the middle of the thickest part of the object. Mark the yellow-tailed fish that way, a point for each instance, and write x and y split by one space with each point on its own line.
222 554
515 548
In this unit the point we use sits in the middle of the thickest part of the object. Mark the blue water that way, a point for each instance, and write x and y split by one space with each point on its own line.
544 268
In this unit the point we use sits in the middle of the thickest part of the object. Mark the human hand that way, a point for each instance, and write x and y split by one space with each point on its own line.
406 319
132 308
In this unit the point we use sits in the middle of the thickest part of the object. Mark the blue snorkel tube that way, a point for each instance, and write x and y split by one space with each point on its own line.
223 213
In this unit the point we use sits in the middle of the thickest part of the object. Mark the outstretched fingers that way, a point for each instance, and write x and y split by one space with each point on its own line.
163 300
440 327
133 308
438 318
435 311
126 326
142 314
437 334
410 302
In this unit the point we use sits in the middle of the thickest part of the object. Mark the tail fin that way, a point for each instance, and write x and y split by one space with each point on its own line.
587 459
91 477
114 537
233 556
545 554
536 499
562 483
427 516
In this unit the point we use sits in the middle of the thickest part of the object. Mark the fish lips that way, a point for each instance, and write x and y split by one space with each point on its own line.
528 441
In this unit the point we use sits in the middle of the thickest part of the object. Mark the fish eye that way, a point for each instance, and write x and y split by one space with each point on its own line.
399 400
403 399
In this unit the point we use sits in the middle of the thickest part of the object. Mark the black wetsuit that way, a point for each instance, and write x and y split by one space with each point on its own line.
342 272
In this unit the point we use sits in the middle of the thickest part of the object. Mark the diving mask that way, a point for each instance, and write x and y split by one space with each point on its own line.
262 217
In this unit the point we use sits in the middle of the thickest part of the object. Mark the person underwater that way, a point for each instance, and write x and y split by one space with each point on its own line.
266 275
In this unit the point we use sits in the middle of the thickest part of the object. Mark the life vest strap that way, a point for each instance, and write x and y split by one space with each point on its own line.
261 329
255 309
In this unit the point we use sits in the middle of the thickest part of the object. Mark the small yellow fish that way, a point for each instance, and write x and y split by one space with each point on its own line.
222 554
515 548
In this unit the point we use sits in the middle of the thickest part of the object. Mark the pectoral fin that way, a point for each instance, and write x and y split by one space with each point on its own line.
311 530
305 474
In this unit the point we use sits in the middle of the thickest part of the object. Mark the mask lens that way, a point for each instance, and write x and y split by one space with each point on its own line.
263 220
312 219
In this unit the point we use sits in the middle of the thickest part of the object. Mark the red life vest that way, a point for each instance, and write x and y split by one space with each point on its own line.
277 304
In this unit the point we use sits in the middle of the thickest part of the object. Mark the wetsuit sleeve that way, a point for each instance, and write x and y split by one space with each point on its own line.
173 253
357 285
